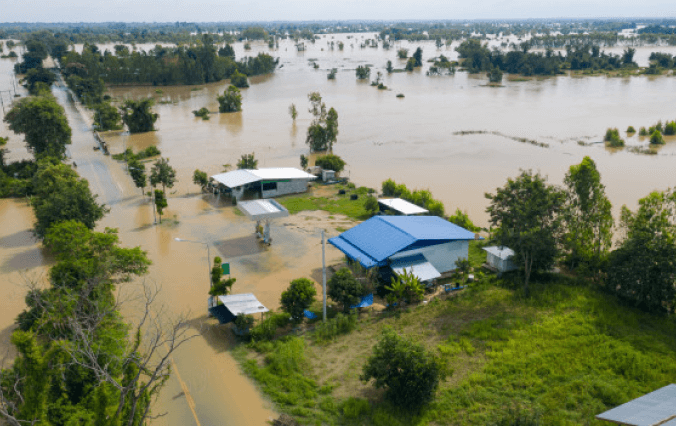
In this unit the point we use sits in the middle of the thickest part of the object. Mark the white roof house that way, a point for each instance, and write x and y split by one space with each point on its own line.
246 304
500 258
268 182
400 206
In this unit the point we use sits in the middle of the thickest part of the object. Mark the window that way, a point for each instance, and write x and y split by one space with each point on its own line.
269 186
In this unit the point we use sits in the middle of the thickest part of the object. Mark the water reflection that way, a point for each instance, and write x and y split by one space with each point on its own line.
232 121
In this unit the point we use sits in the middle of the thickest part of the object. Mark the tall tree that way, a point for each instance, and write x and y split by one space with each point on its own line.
160 202
231 101
525 215
138 115
138 173
43 123
323 131
642 269
248 161
60 195
418 57
588 217
162 173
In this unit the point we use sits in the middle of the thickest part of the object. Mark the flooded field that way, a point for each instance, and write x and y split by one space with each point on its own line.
414 140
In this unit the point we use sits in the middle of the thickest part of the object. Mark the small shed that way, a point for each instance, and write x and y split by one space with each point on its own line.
499 258
266 183
400 207
236 304
655 408
263 211
328 175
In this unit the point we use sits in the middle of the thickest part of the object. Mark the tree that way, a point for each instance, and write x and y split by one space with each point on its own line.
227 51
303 161
461 219
402 53
410 64
656 138
628 56
239 80
293 112
418 57
588 217
389 67
39 75
409 374
332 74
247 161
43 123
298 297
345 289
219 287
612 138
107 117
323 131
3 142
371 204
495 76
200 178
643 267
138 115
330 162
463 268
231 101
60 195
162 173
138 173
525 215
160 202
363 72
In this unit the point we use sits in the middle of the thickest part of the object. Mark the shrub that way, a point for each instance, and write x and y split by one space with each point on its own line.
670 128
402 53
363 72
354 408
341 324
267 328
656 138
244 322
330 162
200 178
371 204
410 64
409 374
631 129
231 101
461 219
345 289
643 131
202 112
400 95
298 297
612 138
332 74
388 187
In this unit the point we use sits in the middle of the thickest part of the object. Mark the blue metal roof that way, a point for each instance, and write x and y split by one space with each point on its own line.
373 241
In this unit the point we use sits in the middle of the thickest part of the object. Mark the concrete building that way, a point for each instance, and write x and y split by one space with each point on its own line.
500 258
427 246
262 183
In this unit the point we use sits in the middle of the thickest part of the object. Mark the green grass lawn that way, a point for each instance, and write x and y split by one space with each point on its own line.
567 353
334 204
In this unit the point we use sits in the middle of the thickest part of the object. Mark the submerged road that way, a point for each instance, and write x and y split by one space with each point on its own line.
205 387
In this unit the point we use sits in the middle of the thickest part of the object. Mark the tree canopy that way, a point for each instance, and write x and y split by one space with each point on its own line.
298 297
231 101
323 131
330 162
138 115
345 289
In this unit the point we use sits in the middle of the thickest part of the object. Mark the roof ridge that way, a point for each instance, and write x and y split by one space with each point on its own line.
396 227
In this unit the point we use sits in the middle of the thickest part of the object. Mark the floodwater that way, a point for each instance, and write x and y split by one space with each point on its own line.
411 140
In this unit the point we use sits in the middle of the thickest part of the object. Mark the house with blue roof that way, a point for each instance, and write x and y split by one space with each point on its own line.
426 246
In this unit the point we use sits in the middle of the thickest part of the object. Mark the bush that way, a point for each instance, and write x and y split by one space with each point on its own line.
202 112
363 72
244 322
341 324
643 132
298 297
200 178
631 129
656 138
388 187
410 64
231 101
461 219
354 408
409 374
330 162
670 128
612 138
267 328
332 74
402 53
238 79
371 204
345 289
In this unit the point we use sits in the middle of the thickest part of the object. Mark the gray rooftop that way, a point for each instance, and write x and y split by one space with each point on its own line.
262 209
502 252
246 304
655 408
237 178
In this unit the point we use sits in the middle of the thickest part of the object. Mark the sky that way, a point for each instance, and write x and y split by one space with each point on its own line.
309 10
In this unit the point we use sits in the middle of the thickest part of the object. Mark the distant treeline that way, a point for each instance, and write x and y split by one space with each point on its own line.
478 58
195 64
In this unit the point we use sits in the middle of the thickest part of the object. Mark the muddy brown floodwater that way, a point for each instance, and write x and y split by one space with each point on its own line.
412 140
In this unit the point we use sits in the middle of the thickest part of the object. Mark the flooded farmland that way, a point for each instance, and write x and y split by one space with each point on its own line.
417 140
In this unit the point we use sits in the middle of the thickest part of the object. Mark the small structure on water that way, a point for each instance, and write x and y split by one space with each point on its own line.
263 183
499 258
655 408
400 207
236 304
426 246
263 211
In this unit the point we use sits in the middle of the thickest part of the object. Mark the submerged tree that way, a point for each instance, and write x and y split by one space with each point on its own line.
138 173
247 161
107 117
162 173
231 101
138 115
293 112
323 132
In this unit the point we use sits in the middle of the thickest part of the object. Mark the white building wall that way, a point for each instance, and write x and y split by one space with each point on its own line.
294 186
500 264
441 256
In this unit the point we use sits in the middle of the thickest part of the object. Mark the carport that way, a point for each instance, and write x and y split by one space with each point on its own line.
263 211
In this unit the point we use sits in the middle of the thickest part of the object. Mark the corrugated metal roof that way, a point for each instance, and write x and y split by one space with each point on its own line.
373 241
658 407
418 265
502 252
237 178
262 209
245 303
402 206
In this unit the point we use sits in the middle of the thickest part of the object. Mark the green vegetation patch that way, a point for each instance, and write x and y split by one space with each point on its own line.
338 204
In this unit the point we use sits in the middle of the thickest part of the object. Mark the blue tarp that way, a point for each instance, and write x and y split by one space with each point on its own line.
309 315
373 241
366 301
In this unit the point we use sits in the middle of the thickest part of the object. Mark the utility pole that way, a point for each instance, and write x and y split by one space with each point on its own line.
324 273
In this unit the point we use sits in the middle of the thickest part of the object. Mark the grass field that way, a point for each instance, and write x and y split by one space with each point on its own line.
566 354
328 199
